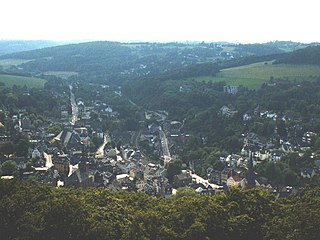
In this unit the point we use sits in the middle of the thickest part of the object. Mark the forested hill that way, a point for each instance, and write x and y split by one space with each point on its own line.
115 61
309 55
10 46
101 61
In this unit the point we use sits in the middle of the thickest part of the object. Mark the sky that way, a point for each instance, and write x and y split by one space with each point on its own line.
241 21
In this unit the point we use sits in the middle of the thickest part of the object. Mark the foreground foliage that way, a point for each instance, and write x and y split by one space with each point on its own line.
29 210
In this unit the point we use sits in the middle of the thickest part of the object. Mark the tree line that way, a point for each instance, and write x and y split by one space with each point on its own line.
30 210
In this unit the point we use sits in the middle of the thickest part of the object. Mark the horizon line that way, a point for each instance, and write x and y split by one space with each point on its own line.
149 41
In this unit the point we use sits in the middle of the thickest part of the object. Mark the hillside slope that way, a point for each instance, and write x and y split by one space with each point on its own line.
309 55
114 61
12 46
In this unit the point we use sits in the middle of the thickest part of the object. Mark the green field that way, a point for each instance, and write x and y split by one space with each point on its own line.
228 49
5 63
10 80
61 74
253 75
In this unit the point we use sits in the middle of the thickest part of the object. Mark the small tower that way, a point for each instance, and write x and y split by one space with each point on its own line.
250 173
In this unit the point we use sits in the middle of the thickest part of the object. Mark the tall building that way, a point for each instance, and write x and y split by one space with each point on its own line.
250 174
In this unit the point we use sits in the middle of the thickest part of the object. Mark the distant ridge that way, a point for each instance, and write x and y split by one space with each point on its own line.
12 46
308 55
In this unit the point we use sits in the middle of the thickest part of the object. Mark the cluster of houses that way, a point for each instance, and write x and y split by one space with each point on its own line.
68 159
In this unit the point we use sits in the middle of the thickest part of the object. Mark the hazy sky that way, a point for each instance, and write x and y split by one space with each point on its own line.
246 21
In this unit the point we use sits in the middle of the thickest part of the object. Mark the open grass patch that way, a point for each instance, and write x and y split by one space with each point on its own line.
61 74
5 63
30 82
254 75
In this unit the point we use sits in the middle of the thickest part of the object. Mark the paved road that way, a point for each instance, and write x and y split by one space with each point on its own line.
135 139
74 107
205 182
165 147
100 151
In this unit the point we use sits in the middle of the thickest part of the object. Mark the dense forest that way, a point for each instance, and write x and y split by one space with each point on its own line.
29 210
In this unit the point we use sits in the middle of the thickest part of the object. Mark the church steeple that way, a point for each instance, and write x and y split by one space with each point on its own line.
250 174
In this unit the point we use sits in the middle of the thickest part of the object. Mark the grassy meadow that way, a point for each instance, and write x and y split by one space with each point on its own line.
6 63
30 82
253 75
61 74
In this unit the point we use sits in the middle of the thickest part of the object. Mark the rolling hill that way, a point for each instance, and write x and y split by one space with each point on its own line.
12 46
254 75
115 62
309 55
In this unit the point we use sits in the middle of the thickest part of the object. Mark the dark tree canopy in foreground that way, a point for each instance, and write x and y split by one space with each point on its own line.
29 210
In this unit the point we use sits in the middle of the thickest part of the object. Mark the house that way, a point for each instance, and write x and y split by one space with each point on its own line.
81 130
35 154
224 175
69 138
175 125
64 114
275 156
234 181
124 182
136 156
231 89
125 168
122 178
80 177
183 179
244 183
227 112
81 107
263 155
308 137
39 163
246 117
136 173
126 153
233 160
62 164
108 110
152 171
26 123
307 173
214 176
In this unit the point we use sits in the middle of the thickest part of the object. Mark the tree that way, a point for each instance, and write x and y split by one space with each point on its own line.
173 168
290 177
22 147
55 129
7 148
185 192
9 167
64 217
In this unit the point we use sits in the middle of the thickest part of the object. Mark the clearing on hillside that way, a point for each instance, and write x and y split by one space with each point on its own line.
30 82
61 74
6 63
254 75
